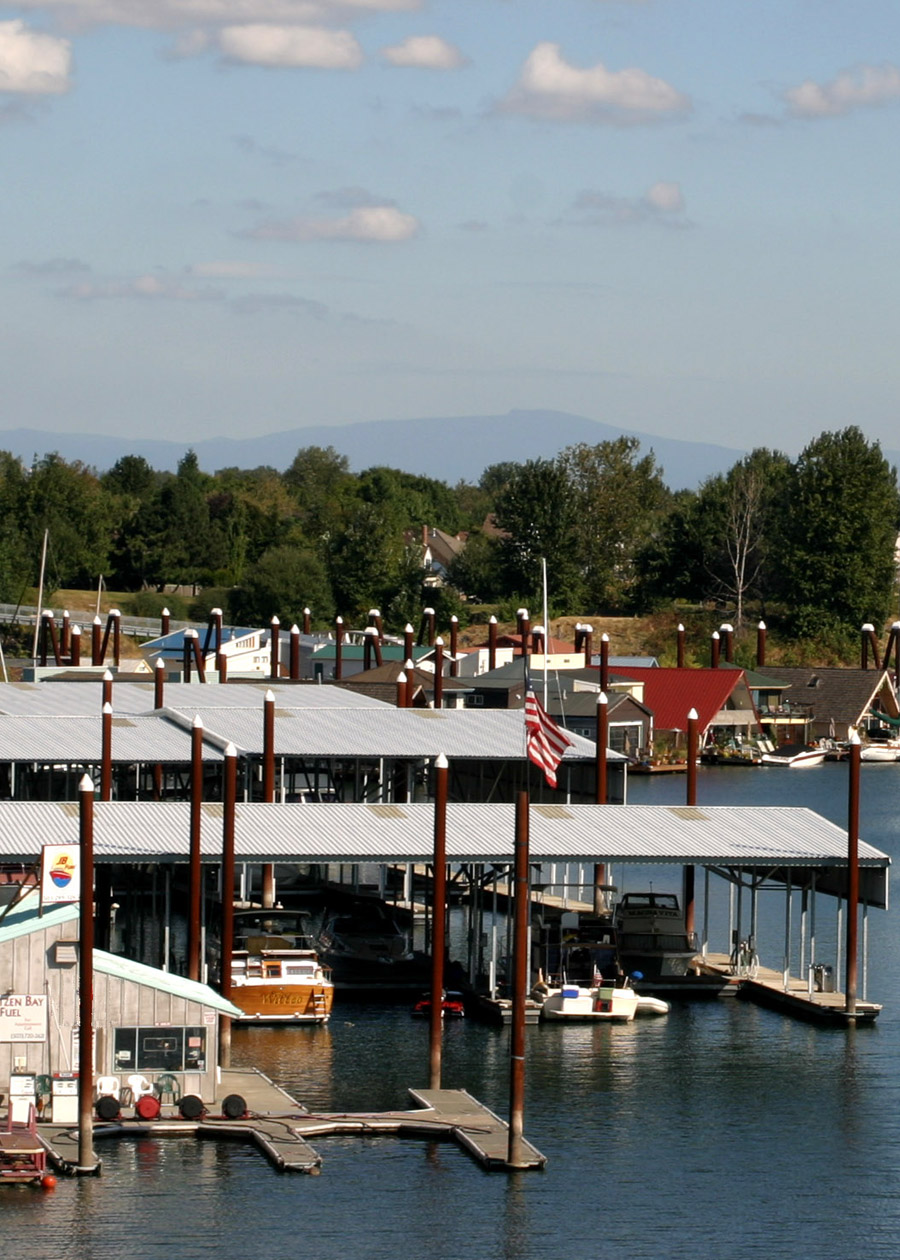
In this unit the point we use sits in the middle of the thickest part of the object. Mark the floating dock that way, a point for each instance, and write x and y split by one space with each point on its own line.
279 1126
799 999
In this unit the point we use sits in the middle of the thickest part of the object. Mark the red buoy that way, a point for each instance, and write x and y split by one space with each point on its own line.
48 1182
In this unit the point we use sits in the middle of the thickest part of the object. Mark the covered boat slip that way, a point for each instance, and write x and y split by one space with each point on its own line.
749 847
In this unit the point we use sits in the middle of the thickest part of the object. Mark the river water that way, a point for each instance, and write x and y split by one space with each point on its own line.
720 1130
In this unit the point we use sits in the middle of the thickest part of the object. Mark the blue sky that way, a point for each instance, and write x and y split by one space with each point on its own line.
223 217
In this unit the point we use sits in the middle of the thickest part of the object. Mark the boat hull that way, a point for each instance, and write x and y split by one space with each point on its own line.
604 1004
282 1003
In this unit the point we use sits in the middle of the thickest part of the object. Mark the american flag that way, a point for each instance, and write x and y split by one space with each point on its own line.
545 743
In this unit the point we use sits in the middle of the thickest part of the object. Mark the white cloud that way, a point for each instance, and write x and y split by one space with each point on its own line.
291 47
424 52
255 303
661 203
178 14
851 89
382 224
549 87
665 197
142 288
33 62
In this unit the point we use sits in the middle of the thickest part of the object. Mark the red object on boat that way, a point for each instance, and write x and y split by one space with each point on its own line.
452 1006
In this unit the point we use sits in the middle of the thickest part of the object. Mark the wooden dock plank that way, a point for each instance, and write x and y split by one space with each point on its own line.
768 989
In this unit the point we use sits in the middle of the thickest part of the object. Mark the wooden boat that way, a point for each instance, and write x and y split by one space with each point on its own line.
276 974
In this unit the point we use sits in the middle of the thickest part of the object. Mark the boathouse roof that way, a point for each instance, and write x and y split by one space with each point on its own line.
784 843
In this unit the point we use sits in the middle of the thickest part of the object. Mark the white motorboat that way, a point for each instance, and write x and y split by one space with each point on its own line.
889 750
795 756
603 1001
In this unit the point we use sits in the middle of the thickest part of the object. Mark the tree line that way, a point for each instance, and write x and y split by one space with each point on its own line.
811 540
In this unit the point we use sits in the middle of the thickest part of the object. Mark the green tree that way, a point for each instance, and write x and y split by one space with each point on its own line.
618 495
68 501
538 513
836 564
285 580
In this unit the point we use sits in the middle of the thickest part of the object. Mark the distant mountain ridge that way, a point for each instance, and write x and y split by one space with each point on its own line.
452 448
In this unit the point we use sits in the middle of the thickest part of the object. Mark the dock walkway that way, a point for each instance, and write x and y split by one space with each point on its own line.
279 1126
767 989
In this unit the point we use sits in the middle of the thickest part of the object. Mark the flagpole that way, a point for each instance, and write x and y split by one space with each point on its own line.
546 617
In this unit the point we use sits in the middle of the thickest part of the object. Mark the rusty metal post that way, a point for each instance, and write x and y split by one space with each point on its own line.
454 646
96 654
338 648
107 682
439 673
852 875
601 795
492 643
604 662
75 654
268 870
873 640
86 1160
714 650
408 637
195 895
116 617
525 632
438 920
428 614
521 911
307 621
54 642
588 646
727 632
274 647
186 657
65 634
760 645
42 639
410 670
228 817
864 646
159 680
106 752
689 873
601 785
165 621
679 647
401 690
294 667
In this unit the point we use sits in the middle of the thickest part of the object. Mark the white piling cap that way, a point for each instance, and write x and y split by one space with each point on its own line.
441 762
160 663
761 626
429 612
693 715
166 613
492 620
86 784
439 641
727 627
603 698
107 676
76 629
295 629
401 677
680 628
107 707
715 634
97 622
269 697
230 750
374 612
274 622
604 638
197 723
867 625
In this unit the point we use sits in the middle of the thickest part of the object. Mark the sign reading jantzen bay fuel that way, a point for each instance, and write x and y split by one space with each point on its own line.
23 1017
60 873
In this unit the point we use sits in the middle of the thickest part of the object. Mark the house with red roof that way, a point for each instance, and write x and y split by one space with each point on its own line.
721 697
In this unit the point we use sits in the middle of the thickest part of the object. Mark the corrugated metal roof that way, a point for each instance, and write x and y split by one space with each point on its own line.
85 699
751 836
163 981
78 740
489 735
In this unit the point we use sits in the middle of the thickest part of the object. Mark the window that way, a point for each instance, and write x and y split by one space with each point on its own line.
154 1049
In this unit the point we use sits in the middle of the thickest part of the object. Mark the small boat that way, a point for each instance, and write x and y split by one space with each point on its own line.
889 750
276 974
452 1006
602 1001
795 756
23 1156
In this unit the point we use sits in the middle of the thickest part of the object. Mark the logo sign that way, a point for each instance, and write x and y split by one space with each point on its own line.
60 873
23 1017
